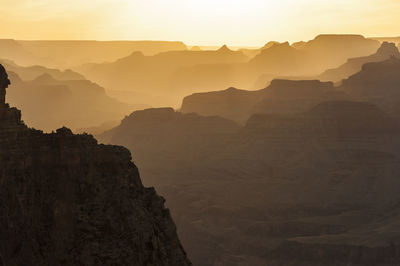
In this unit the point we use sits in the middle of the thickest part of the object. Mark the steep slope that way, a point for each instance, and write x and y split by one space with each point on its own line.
183 138
231 103
354 65
48 103
253 52
32 72
312 57
377 82
68 201
325 180
172 75
281 96
157 80
13 50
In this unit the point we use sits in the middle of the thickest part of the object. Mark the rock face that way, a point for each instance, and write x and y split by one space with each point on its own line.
354 65
280 97
4 82
324 180
329 119
315 56
168 75
232 103
378 83
65 200
183 138
49 103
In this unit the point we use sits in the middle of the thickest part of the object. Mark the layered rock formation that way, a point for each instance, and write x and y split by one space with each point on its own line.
378 83
312 57
354 65
172 75
32 72
167 75
314 188
280 97
231 103
48 103
65 200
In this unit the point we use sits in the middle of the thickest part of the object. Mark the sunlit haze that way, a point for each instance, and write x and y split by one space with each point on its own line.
212 22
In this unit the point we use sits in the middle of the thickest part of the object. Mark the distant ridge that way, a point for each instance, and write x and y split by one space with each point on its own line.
354 65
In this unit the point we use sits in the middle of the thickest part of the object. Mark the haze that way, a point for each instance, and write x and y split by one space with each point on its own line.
200 22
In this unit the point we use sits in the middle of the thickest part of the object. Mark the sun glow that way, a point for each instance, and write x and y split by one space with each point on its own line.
235 22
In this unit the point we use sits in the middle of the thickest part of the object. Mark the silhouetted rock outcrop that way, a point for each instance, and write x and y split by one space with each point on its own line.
32 72
48 103
354 65
281 96
65 200
312 57
163 74
378 83
328 119
4 83
325 179
231 103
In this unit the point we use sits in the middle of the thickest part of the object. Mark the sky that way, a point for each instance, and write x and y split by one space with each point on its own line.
197 22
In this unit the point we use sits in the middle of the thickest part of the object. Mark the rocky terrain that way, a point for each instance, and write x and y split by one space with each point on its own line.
32 72
319 185
163 77
377 82
354 65
172 75
49 103
280 97
308 179
65 200
314 56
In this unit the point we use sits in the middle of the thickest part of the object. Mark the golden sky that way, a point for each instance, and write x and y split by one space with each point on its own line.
213 22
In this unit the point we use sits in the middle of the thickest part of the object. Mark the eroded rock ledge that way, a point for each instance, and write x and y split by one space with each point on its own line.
65 200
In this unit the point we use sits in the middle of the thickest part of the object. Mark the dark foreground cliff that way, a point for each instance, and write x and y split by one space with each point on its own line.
65 200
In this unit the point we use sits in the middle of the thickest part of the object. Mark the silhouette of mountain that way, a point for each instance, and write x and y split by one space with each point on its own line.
171 75
315 56
32 72
14 51
353 65
232 103
66 54
321 179
67 200
377 82
282 96
157 80
49 103
251 53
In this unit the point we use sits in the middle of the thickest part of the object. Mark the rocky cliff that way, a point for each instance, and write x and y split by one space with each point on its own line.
65 200
319 187
354 65
378 83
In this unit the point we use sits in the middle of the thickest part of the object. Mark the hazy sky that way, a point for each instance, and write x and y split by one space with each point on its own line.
214 22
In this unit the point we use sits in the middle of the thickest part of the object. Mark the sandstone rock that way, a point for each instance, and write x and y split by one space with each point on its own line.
65 200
